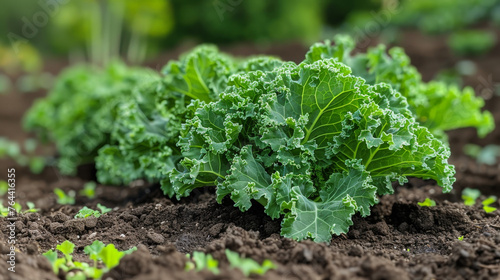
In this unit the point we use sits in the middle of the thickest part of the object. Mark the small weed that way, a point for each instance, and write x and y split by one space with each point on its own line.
427 203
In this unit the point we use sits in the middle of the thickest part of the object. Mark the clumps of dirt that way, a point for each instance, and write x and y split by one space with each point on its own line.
399 239
476 257
28 266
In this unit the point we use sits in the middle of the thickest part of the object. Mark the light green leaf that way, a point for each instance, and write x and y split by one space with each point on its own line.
86 212
66 248
94 249
205 261
247 265
490 200
103 208
470 196
110 256
51 255
427 203
88 190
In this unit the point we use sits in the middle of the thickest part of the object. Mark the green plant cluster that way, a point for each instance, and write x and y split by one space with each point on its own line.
256 21
86 212
200 261
472 42
484 155
65 198
79 113
314 142
11 149
446 15
97 252
427 203
470 196
4 211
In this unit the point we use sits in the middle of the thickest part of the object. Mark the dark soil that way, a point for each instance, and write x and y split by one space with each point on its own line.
400 240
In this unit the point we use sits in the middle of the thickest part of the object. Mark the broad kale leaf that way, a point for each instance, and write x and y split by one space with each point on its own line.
436 105
310 142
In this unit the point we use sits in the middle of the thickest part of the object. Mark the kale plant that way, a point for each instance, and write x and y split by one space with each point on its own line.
312 143
79 113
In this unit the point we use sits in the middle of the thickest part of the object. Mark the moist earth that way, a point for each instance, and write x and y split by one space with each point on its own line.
400 240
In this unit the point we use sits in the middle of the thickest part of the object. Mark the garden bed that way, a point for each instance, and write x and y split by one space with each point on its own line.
400 240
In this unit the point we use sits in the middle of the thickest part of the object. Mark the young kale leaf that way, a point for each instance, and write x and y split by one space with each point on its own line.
248 266
470 196
427 203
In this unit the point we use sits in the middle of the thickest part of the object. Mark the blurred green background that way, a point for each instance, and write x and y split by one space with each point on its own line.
100 30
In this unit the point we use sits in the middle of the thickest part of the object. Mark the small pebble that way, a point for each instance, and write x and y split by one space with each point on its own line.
464 253
156 238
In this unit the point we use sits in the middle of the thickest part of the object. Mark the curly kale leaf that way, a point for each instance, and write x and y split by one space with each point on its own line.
200 74
80 111
142 144
436 105
143 139
310 142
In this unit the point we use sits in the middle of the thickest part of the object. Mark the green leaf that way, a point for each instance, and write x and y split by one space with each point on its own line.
200 74
63 198
86 212
67 249
427 203
4 211
17 207
291 138
31 207
88 190
103 208
489 209
36 164
110 256
470 196
449 100
487 202
195 173
246 180
331 213
130 251
51 255
247 265
94 272
484 155
3 187
94 249
81 122
490 200
143 139
205 261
